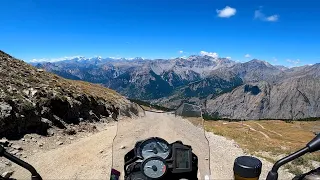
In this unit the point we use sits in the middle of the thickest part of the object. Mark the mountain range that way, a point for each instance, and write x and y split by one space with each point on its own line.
224 88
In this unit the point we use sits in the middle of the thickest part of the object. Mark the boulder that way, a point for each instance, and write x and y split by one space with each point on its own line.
59 143
17 147
50 132
5 110
14 152
7 174
4 142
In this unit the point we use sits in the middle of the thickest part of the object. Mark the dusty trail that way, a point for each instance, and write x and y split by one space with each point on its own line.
268 129
88 158
91 157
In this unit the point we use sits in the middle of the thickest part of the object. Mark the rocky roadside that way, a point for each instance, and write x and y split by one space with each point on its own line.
32 144
33 100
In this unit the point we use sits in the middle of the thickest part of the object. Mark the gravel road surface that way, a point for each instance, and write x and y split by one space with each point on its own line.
91 157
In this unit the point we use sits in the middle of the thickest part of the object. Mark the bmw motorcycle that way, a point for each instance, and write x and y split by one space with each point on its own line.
144 154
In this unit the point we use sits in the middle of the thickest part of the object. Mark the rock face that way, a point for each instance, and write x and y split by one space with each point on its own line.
255 71
292 98
33 100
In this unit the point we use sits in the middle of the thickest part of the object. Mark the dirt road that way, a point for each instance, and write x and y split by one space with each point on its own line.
91 157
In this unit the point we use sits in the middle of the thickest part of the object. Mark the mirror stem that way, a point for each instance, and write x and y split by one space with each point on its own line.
273 174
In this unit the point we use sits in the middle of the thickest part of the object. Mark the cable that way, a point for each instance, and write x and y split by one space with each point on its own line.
204 133
114 140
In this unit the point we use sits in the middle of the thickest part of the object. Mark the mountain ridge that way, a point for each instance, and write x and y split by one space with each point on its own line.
200 80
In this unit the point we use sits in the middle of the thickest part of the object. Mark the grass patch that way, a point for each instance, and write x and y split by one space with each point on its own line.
95 90
275 137
265 157
301 161
293 169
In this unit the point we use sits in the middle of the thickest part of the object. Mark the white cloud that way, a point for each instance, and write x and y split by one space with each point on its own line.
180 52
211 54
293 62
258 14
228 57
272 18
247 56
226 12
39 60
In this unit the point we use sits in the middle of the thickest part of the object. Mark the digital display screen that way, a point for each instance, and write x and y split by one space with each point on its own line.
182 159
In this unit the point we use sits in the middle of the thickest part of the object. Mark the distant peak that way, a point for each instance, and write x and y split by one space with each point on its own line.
260 61
193 57
138 58
99 58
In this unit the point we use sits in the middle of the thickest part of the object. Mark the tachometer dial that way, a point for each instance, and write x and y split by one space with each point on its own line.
154 167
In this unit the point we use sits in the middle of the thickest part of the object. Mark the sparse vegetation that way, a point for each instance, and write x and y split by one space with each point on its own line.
270 139
293 169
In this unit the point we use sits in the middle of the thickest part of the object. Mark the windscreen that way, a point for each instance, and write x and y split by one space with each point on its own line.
170 126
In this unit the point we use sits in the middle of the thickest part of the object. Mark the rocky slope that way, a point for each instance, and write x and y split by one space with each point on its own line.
33 100
256 70
294 96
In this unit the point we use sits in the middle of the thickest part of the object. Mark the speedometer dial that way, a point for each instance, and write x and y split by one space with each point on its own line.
154 168
155 147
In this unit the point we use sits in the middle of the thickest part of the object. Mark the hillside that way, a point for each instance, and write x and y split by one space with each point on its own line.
292 98
33 100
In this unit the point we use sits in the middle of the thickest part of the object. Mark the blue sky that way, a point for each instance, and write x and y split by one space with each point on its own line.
279 31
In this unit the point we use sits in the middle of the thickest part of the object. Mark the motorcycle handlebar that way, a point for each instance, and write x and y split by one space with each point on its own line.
34 174
312 146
